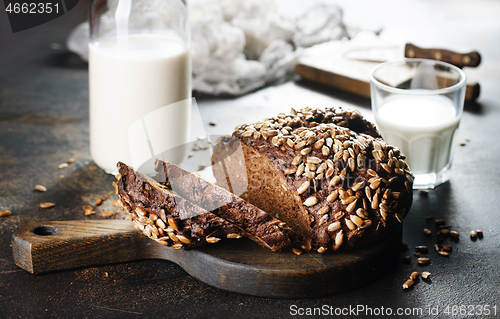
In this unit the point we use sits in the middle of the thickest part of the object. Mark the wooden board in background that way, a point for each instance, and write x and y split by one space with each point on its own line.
325 63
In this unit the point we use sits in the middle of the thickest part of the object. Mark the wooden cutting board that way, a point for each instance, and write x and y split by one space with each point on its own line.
237 265
326 64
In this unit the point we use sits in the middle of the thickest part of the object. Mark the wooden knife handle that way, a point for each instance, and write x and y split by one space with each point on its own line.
471 59
40 247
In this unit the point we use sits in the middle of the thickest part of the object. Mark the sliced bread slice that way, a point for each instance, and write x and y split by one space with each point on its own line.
262 227
174 221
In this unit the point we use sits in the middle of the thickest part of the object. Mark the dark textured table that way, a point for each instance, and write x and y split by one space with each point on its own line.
44 122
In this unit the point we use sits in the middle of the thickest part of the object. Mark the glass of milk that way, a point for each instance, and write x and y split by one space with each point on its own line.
139 63
417 104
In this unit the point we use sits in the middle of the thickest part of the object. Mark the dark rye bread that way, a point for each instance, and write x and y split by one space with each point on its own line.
260 226
339 185
173 221
166 217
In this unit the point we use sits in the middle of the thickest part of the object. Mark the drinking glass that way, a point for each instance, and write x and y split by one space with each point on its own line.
417 104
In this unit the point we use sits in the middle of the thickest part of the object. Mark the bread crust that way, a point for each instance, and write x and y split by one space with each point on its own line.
327 173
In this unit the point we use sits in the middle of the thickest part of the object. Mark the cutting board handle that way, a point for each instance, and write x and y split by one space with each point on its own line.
40 247
470 59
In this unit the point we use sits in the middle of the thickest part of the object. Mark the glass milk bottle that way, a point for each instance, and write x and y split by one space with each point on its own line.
139 82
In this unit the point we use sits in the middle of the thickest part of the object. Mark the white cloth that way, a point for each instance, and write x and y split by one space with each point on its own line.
239 46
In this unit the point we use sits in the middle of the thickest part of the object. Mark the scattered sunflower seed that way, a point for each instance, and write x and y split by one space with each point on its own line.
107 213
115 203
356 220
303 187
427 232
454 234
362 213
440 222
322 250
89 212
40 188
473 234
63 165
324 210
371 172
213 123
429 217
426 274
172 223
442 234
423 191
350 224
323 219
408 284
339 238
333 195
443 253
447 248
297 251
414 275
422 249
352 206
423 260
445 231
183 239
311 201
5 213
416 253
479 234
140 211
334 226
398 217
212 240
47 205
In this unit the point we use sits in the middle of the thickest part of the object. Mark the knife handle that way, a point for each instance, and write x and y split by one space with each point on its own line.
471 59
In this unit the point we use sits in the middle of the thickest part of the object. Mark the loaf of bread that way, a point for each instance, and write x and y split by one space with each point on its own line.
170 219
327 173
